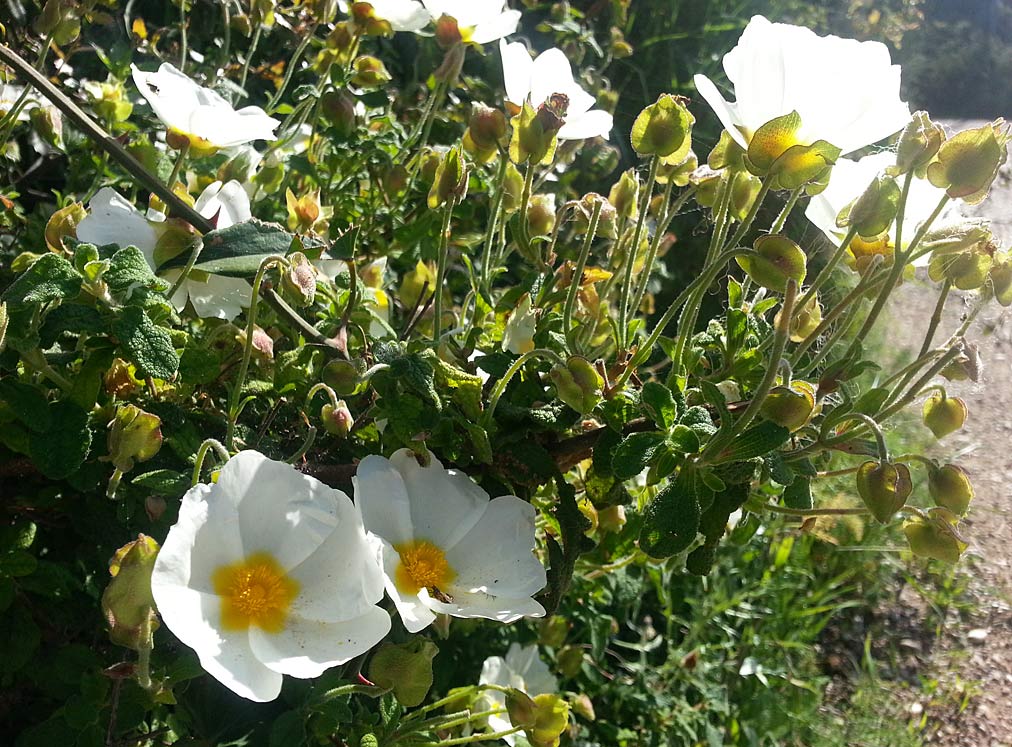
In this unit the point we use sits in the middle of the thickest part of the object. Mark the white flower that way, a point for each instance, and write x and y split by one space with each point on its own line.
112 219
202 116
851 178
9 95
479 21
445 546
845 91
402 15
518 337
268 572
550 72
523 670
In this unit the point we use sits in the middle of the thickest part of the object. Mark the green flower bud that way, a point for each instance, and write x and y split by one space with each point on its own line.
569 661
127 603
337 421
935 537
611 518
109 99
664 129
706 180
485 134
535 131
874 211
624 194
680 172
583 707
968 162
513 189
726 154
884 487
48 123
339 108
790 406
578 384
943 415
967 270
950 488
553 631
779 260
606 222
805 320
541 215
369 72
450 180
1001 278
775 152
299 279
966 365
447 32
521 708
620 48
968 234
918 144
134 436
344 377
63 224
551 718
364 18
744 191
405 668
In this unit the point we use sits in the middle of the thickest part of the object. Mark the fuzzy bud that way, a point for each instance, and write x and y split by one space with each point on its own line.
664 129
578 384
450 181
486 133
943 415
935 536
624 194
541 215
134 436
339 108
779 260
968 162
299 280
884 487
405 668
950 488
127 603
874 211
918 144
790 406
369 72
337 421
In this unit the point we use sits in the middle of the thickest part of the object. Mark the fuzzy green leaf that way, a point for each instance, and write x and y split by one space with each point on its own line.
146 344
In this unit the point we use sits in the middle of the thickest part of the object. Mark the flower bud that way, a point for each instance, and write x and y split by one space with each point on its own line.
967 270
680 172
339 108
134 436
578 384
583 707
513 189
968 162
323 11
805 320
775 152
369 72
1001 278
950 488
486 133
935 537
63 224
966 365
518 337
521 708
943 415
607 221
299 279
154 507
535 131
569 661
337 421
127 603
303 212
884 487
450 181
364 17
343 377
744 192
405 668
790 406
706 180
48 123
918 144
263 343
551 717
874 211
779 260
447 32
109 99
611 518
553 631
541 215
624 195
967 234
664 129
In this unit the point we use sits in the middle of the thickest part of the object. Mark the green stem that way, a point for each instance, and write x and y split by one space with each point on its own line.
183 51
500 386
778 224
234 406
254 43
293 63
441 257
883 449
783 333
581 263
307 444
486 251
764 190
488 737
525 202
144 652
197 245
10 120
178 166
936 317
331 395
667 213
198 463
37 361
633 249
809 511
827 271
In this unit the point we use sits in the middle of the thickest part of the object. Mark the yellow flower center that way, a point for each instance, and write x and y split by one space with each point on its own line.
254 591
422 566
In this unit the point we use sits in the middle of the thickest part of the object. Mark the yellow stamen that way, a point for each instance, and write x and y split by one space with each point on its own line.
254 591
422 566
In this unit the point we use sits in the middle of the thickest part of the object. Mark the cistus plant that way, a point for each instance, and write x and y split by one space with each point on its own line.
355 384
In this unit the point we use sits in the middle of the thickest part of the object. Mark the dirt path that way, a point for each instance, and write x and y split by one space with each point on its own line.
974 650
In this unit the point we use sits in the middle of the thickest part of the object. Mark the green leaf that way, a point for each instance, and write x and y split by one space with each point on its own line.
60 450
27 402
635 453
238 250
799 494
146 344
71 318
163 482
756 441
18 563
659 404
682 438
671 519
50 278
198 365
288 730
128 271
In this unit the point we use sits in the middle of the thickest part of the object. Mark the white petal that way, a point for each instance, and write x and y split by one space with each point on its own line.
382 497
403 15
229 202
725 112
496 555
282 512
343 579
307 648
219 297
193 617
204 538
595 123
445 504
517 69
413 611
526 661
112 219
170 93
496 28
503 609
